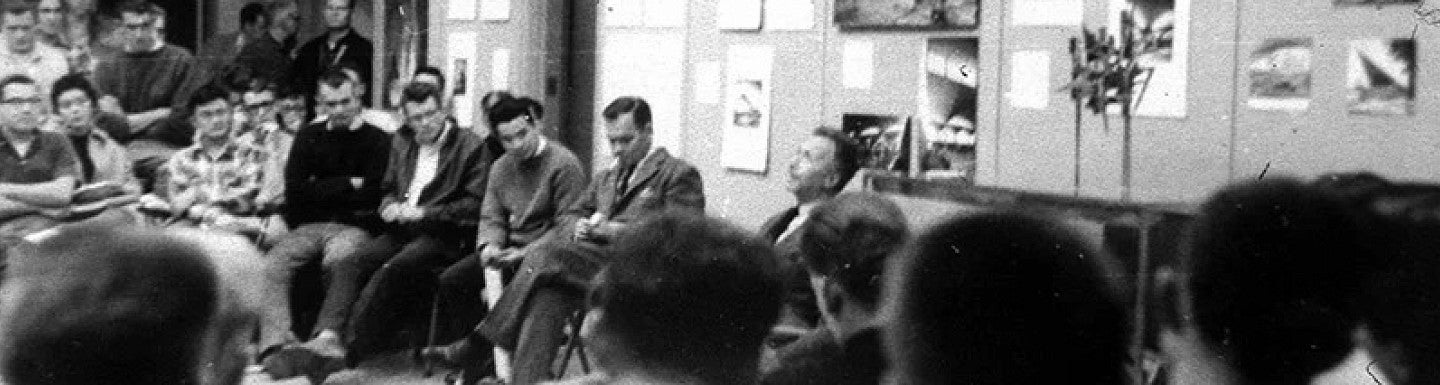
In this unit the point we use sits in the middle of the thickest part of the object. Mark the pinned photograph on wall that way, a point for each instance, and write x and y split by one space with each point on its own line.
460 72
1280 74
927 14
1381 79
746 126
882 140
1161 29
945 128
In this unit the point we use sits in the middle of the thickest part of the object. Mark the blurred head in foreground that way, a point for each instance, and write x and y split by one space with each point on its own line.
1002 298
94 305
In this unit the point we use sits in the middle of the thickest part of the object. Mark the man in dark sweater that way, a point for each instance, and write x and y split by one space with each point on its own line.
332 186
152 80
431 195
340 43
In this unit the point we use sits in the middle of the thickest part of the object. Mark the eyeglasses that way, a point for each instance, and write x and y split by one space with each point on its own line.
424 117
257 107
21 101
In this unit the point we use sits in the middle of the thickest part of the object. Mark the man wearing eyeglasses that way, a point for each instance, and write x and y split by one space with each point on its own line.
333 178
262 127
38 169
149 84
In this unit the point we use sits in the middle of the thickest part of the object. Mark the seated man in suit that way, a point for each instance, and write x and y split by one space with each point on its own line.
825 163
644 182
685 299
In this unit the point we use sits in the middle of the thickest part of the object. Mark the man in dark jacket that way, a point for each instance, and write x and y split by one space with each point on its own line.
339 44
332 186
430 201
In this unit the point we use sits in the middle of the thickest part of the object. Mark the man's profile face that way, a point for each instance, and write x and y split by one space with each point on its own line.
19 31
340 103
212 119
426 119
628 142
141 31
336 14
20 106
516 133
814 166
76 110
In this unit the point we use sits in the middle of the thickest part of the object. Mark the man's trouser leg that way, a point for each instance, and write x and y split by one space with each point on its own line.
542 333
347 278
331 243
405 279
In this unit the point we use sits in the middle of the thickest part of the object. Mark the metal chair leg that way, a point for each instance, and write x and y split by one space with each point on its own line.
430 334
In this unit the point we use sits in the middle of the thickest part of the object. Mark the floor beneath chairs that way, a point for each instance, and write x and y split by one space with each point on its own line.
394 368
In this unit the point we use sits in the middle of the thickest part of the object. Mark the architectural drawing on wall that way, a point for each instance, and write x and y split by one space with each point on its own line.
462 51
1167 24
907 13
746 127
1381 78
945 126
882 140
1280 74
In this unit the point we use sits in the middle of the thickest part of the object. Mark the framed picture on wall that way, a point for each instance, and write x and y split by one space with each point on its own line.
945 127
899 14
1381 77
1280 74
883 140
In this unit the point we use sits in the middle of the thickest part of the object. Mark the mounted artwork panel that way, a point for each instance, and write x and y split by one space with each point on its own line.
1381 79
1162 89
882 138
945 126
902 14
1280 74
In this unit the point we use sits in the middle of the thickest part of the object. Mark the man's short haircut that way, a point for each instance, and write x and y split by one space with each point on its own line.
72 82
419 93
1272 267
491 98
847 154
690 293
638 109
144 8
206 94
108 306
1004 298
508 109
18 8
14 79
335 78
253 12
848 239
432 71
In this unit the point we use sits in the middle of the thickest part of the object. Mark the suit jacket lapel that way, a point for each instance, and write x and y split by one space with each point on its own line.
643 173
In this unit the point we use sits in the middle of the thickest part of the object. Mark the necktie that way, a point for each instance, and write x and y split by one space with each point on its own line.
623 180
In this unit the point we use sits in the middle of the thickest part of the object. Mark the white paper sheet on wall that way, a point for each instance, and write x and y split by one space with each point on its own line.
624 13
858 64
494 10
462 50
500 69
664 13
1030 79
746 125
707 80
789 14
460 10
1047 12
739 14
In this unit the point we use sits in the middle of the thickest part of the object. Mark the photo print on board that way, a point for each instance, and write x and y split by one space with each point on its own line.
945 127
1381 78
1280 74
936 14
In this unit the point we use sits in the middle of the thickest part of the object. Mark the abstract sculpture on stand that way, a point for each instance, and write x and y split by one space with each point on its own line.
1106 71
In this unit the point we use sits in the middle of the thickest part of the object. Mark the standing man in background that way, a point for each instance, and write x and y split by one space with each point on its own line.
265 57
220 51
339 43
24 54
